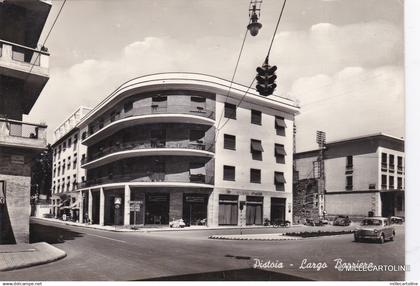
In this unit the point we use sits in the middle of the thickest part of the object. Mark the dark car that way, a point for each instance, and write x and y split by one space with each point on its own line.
342 220
374 228
396 220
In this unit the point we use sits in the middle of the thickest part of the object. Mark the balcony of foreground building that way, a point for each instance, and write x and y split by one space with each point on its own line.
193 178
151 145
140 150
19 134
27 64
184 113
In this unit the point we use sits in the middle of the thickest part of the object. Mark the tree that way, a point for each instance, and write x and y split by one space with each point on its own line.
41 173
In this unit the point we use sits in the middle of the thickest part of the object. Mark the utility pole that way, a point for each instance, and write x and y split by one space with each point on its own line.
320 139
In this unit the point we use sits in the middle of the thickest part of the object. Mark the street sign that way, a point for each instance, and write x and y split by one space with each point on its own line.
135 206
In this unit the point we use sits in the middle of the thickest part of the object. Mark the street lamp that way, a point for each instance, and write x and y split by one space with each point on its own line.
254 13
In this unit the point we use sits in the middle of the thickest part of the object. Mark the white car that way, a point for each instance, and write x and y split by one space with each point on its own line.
177 223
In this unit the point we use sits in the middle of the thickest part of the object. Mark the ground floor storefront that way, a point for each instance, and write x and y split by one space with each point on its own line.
144 206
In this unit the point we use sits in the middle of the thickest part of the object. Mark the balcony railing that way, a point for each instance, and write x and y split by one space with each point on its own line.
138 145
142 177
391 167
400 169
23 57
154 109
20 133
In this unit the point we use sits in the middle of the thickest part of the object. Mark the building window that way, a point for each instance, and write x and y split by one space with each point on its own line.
198 103
75 143
383 182
349 182
83 135
399 183
83 160
230 111
69 143
372 186
128 106
158 138
256 149
399 164
159 102
229 173
256 117
280 153
280 126
229 142
279 181
255 176
391 182
349 162
64 146
391 163
384 162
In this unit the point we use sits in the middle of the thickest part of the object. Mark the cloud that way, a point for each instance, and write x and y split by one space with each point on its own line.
353 102
324 60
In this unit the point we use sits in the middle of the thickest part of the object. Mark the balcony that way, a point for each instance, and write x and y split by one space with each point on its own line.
25 63
15 133
150 179
147 115
152 144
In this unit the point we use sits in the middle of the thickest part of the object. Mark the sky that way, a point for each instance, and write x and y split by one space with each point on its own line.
341 60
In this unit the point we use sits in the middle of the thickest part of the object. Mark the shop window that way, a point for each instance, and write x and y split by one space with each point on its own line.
228 210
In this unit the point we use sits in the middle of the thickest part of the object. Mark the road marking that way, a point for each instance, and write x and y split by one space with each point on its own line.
122 241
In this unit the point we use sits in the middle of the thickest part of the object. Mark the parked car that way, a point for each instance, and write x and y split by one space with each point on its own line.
342 220
396 219
177 223
374 228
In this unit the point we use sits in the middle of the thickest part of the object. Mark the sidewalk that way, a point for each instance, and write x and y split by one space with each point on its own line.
26 255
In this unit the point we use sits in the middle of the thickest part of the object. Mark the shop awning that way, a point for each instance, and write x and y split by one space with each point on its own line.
279 178
198 171
256 146
279 149
280 122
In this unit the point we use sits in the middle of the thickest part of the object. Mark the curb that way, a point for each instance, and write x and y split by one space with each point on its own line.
222 237
43 249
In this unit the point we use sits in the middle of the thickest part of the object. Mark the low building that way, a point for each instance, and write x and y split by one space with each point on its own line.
362 174
179 145
68 155
23 75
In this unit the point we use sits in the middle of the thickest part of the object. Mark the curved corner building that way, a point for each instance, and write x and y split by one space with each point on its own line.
180 145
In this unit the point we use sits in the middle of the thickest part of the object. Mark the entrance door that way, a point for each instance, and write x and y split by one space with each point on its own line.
95 207
157 208
254 210
195 209
278 209
228 210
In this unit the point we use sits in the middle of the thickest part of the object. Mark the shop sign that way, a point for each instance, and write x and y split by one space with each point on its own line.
194 199
135 206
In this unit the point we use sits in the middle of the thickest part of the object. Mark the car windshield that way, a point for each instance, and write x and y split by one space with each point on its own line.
371 222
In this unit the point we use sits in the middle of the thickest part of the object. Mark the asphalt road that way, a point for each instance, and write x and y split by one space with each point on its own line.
189 255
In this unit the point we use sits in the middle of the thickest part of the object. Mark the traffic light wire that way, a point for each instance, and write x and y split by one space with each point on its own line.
234 74
277 26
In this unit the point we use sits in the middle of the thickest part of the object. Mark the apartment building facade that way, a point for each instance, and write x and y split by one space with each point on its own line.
23 74
362 174
68 155
177 145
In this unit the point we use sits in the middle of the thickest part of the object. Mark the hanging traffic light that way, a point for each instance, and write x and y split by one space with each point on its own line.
266 78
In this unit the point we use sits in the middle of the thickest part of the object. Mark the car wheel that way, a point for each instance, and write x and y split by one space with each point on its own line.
382 239
392 237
